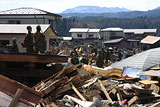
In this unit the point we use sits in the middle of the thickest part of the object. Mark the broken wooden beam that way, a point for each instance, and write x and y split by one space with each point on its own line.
24 57
16 97
132 100
11 87
104 90
78 93
119 99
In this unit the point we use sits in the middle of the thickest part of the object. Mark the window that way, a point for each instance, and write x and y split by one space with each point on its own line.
14 22
51 23
113 33
90 36
3 43
79 35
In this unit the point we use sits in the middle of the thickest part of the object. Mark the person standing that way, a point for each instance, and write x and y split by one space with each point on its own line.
28 41
40 41
14 48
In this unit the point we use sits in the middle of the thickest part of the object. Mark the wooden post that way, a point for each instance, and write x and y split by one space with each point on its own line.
16 97
104 90
119 99
78 93
132 100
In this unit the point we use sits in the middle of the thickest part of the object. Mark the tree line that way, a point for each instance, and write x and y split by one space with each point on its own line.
101 22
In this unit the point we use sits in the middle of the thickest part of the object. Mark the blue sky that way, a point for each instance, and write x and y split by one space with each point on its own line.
58 6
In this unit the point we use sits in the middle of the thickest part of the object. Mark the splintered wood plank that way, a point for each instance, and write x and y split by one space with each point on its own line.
151 73
16 97
104 90
156 104
132 100
63 89
146 82
119 99
11 87
78 93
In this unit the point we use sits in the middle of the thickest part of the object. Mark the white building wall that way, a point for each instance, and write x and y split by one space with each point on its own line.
95 35
74 36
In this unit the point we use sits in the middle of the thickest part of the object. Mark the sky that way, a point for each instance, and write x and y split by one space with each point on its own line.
57 6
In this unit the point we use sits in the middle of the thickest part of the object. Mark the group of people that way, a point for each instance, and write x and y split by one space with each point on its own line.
34 43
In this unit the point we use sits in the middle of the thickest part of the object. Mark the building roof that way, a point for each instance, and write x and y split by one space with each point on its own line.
140 31
113 41
112 29
150 40
20 28
143 60
94 30
27 11
81 30
67 38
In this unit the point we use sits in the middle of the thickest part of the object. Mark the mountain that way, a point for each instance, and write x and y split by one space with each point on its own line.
129 14
95 9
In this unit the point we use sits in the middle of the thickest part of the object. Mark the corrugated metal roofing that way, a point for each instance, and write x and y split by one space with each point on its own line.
113 41
140 31
150 40
143 60
112 29
20 28
26 11
79 30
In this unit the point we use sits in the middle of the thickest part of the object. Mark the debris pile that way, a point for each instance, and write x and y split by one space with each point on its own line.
84 85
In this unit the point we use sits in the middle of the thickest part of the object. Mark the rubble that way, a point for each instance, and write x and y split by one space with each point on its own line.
84 85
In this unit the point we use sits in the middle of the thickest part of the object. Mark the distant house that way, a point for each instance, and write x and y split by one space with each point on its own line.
119 43
150 42
85 36
29 15
18 31
138 34
111 33
134 43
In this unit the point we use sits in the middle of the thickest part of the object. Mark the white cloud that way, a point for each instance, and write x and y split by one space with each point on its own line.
58 6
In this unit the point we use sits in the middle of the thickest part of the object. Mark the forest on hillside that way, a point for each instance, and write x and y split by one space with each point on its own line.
101 22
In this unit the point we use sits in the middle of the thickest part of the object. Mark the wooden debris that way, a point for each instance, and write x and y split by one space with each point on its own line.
156 104
155 73
21 57
146 82
78 93
155 88
90 82
104 90
119 99
16 97
132 100
11 86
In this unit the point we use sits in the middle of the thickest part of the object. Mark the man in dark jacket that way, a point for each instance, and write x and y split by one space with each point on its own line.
28 41
40 41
